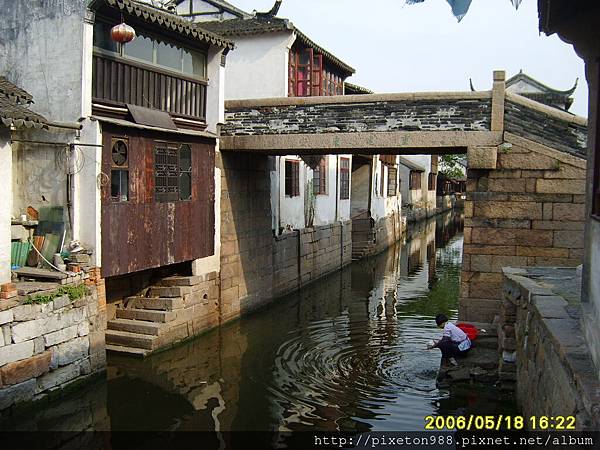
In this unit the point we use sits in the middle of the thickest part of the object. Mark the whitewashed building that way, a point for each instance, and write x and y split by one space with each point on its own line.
274 59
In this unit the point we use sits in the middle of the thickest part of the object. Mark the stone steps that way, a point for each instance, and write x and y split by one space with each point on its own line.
128 339
128 351
148 315
147 323
169 291
136 326
156 303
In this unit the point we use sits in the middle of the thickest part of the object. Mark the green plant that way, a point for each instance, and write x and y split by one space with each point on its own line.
74 293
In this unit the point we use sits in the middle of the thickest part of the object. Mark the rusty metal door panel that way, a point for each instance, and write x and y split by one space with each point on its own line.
141 233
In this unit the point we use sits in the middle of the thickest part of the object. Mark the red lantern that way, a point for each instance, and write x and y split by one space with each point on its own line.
122 33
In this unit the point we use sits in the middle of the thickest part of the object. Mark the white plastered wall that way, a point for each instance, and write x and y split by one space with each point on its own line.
258 67
6 202
330 208
383 205
215 115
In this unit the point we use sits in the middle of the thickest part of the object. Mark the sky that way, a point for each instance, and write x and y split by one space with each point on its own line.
400 48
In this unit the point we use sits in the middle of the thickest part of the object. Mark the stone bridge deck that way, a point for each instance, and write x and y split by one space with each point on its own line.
396 123
526 178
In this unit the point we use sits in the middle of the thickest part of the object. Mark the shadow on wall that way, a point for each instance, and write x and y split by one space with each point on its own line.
246 236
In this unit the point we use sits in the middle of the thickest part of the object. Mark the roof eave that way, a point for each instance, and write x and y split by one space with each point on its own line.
173 23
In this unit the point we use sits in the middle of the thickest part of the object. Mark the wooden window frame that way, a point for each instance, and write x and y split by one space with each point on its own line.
392 184
320 177
292 178
432 181
382 181
120 53
415 184
119 168
167 166
344 178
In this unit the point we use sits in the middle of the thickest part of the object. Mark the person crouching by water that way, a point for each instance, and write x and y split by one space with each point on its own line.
454 341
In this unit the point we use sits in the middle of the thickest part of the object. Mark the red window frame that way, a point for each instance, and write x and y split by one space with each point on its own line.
344 178
292 178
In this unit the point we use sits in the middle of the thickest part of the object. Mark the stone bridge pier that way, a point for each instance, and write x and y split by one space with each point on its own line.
526 169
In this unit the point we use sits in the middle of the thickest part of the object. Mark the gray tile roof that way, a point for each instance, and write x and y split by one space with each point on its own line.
262 24
14 107
165 19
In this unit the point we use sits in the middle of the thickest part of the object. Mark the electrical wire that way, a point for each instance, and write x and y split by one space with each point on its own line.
47 262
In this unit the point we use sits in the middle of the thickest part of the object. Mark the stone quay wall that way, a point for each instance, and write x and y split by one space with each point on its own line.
257 267
543 348
45 347
445 203
303 256
528 211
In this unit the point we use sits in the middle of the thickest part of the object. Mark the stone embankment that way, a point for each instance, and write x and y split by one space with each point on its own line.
554 370
45 347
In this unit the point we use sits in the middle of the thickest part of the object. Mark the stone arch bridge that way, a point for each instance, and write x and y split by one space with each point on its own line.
526 172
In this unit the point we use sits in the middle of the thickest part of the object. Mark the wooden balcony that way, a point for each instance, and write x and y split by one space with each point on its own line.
117 81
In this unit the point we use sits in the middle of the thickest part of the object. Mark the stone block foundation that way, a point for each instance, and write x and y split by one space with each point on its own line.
542 345
45 347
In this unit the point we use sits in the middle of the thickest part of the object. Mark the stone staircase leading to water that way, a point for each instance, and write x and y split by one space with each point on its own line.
175 309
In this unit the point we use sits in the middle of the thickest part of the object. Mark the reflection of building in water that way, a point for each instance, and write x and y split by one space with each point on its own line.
204 373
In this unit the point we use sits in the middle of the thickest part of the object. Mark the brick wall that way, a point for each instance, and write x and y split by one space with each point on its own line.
399 115
529 211
48 346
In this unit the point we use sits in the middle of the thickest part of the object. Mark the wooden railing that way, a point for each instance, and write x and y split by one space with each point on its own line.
119 81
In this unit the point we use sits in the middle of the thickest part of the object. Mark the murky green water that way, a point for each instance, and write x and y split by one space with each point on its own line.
346 353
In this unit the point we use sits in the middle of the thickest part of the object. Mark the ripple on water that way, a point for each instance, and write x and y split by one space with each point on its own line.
352 368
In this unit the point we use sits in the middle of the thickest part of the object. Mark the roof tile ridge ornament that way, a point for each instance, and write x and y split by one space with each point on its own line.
272 13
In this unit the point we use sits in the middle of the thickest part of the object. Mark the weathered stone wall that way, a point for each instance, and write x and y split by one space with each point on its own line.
540 336
304 256
246 236
529 211
256 266
45 347
445 203
471 113
370 237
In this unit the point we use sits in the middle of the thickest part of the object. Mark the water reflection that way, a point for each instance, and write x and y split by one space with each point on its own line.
345 353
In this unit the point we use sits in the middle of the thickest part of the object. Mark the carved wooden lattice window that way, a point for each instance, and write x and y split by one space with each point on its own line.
172 172
344 178
320 177
292 178
392 181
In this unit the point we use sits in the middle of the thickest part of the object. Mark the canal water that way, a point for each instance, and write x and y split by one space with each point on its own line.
346 353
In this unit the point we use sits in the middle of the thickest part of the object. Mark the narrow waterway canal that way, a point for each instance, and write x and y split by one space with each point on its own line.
345 353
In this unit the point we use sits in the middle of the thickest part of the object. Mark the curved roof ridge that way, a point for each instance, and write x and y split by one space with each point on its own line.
523 76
